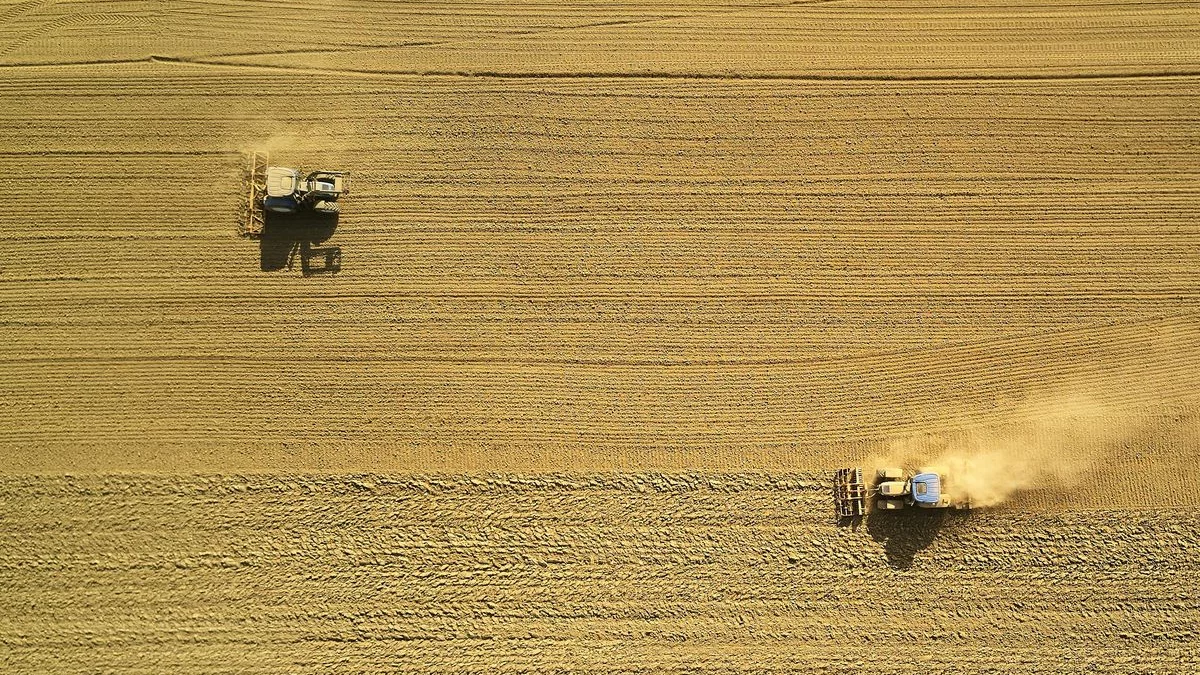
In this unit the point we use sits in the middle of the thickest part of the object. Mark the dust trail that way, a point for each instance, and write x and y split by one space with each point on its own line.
284 138
1062 438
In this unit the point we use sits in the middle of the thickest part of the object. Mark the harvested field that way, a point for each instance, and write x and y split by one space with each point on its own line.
619 286
732 267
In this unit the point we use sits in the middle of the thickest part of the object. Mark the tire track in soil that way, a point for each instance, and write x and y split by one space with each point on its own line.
50 26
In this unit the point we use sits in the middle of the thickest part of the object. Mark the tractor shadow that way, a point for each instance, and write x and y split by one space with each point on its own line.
906 533
288 236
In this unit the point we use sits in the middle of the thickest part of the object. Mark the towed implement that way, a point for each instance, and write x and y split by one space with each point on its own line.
280 189
849 493
893 489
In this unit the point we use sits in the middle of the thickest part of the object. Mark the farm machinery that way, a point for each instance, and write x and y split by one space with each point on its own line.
279 189
893 489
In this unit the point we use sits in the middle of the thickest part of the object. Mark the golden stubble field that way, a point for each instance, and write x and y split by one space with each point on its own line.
620 285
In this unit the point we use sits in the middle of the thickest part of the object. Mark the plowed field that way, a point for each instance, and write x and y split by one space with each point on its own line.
586 573
619 285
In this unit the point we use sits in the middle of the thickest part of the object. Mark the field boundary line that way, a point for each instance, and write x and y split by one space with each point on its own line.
617 75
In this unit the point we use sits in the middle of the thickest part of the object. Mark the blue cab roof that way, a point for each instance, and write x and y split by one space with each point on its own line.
926 488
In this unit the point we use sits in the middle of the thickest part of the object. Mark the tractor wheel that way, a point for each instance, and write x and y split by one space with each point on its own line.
889 473
328 208
889 504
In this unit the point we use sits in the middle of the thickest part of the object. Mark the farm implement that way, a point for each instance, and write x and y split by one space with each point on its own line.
279 189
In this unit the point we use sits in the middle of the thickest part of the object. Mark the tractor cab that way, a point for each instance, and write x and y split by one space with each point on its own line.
282 181
282 185
926 491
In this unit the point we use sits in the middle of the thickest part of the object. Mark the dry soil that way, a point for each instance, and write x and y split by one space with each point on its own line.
620 283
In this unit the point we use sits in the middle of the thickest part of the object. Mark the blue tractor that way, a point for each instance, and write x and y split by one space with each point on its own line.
896 489
893 489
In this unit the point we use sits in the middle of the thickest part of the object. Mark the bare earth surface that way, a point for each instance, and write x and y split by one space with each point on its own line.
620 285
594 573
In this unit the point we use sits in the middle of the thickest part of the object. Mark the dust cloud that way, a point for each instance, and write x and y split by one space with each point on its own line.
304 139
281 141
1059 439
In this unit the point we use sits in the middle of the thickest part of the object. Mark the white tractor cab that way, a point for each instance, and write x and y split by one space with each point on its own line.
319 191
894 490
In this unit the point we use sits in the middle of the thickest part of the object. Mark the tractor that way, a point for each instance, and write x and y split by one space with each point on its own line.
319 190
893 489
279 189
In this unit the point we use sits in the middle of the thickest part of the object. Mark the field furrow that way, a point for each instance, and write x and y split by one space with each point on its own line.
616 288
580 573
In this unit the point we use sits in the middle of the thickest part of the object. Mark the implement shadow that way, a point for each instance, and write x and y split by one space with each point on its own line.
288 235
907 532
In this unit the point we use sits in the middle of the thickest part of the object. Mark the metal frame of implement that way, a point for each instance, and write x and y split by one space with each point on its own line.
849 493
255 220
